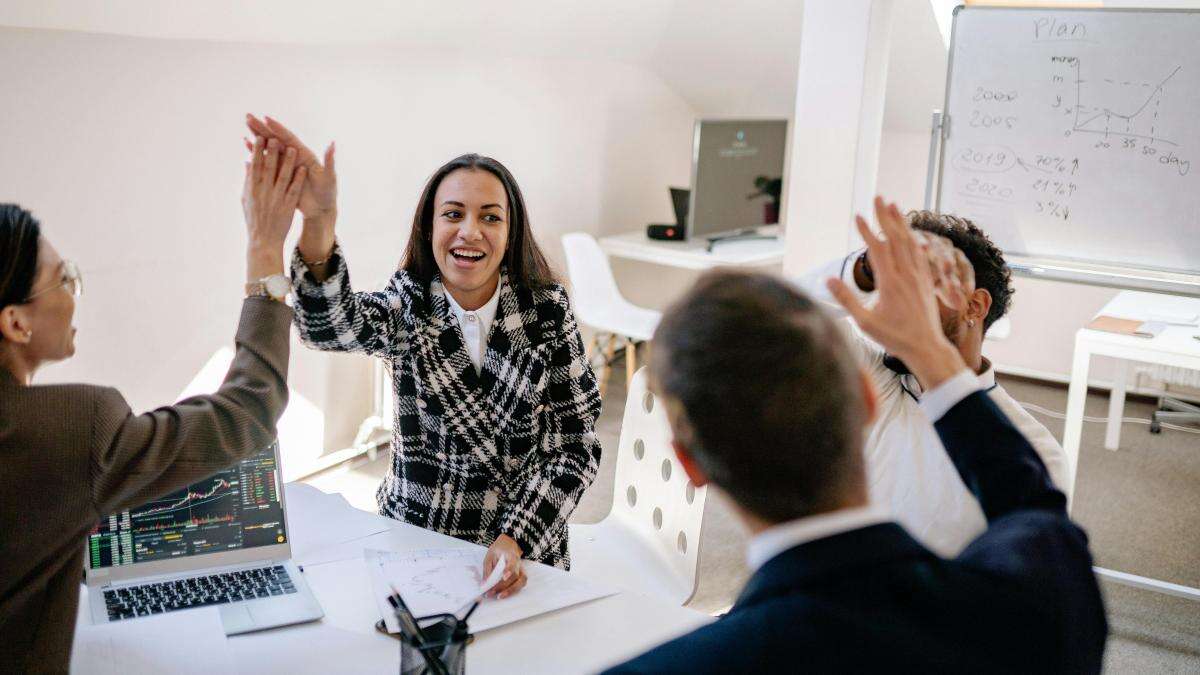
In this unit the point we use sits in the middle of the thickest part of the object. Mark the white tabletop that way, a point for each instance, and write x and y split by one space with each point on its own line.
691 254
1142 306
579 639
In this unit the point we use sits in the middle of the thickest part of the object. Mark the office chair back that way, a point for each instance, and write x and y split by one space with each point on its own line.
653 497
595 290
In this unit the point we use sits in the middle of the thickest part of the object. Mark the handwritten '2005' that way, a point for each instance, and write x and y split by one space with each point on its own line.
984 120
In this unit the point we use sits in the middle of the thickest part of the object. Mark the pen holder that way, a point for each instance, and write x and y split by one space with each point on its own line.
446 643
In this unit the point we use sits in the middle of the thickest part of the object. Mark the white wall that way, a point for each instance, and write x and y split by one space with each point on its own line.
902 159
129 152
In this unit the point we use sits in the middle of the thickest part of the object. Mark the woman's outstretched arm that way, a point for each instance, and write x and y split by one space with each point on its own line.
138 457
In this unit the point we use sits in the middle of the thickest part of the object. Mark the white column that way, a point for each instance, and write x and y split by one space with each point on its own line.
833 153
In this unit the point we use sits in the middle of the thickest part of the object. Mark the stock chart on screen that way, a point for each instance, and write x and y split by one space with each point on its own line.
232 509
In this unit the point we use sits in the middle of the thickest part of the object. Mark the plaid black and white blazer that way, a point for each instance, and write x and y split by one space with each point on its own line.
507 451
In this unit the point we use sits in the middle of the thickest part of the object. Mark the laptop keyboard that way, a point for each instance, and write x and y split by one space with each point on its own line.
216 589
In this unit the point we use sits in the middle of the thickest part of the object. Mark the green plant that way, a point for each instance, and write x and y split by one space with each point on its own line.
768 187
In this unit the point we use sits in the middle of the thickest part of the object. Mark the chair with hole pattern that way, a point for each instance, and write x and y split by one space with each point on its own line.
650 540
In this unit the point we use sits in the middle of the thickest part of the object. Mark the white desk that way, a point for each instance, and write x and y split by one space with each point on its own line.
579 639
691 254
1174 347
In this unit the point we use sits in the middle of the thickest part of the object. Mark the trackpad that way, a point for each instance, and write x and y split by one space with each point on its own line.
236 618
280 611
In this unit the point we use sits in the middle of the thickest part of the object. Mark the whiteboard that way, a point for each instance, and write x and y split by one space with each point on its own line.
1074 135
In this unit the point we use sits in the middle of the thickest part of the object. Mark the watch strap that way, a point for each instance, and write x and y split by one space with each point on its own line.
262 289
257 289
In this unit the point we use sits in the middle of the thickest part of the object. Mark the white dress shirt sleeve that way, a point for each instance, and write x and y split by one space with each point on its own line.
939 400
812 282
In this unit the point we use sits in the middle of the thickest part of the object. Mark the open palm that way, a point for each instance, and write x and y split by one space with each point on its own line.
913 270
319 196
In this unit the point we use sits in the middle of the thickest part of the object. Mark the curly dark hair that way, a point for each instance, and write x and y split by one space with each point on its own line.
991 272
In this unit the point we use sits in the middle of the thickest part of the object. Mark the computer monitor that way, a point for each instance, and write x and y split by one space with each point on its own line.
238 508
737 175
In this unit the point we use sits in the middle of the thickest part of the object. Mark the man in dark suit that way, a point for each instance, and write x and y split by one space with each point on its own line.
766 404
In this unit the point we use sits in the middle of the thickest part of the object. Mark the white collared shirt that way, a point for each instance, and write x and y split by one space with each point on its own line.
909 473
779 538
476 325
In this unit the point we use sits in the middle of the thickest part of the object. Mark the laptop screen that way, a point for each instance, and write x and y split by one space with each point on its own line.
233 509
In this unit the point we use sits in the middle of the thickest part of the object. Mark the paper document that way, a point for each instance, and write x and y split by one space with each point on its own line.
486 585
437 581
187 641
318 520
1178 318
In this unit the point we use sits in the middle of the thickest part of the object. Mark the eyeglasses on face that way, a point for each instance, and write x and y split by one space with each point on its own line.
71 279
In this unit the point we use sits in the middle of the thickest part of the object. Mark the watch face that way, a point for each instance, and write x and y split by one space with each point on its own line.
278 285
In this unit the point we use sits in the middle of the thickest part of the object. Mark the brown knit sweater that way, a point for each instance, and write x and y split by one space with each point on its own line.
72 453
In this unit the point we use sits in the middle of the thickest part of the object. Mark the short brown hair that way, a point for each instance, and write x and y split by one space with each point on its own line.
523 258
761 386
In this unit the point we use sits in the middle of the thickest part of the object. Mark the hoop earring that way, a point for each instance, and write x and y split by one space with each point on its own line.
970 323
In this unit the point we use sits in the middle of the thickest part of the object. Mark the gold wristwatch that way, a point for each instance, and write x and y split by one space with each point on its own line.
276 287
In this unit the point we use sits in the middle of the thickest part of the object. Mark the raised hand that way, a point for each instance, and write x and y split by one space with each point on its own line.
270 194
953 275
318 199
912 272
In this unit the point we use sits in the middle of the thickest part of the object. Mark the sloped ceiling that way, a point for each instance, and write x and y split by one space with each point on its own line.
724 58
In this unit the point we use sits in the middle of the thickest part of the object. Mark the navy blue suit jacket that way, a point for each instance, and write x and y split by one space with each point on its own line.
1020 598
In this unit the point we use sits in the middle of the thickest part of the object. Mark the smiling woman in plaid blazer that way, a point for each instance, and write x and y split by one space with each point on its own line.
494 440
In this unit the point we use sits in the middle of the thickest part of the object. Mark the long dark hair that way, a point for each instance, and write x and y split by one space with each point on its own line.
525 261
19 235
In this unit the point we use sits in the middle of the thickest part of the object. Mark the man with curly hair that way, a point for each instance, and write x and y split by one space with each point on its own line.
907 468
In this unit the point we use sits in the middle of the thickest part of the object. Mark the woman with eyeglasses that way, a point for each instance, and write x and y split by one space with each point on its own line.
71 453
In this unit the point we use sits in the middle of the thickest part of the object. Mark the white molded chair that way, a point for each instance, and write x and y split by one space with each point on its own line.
600 306
650 540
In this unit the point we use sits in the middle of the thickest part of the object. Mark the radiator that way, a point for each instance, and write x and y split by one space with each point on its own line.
1171 376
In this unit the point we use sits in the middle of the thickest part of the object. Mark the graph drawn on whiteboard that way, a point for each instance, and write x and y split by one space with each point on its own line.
1126 122
1070 134
1115 107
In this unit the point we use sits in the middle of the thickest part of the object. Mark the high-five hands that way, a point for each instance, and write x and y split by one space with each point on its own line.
913 270
318 198
953 275
270 194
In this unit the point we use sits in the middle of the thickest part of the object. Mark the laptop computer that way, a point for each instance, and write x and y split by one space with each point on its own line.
221 541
